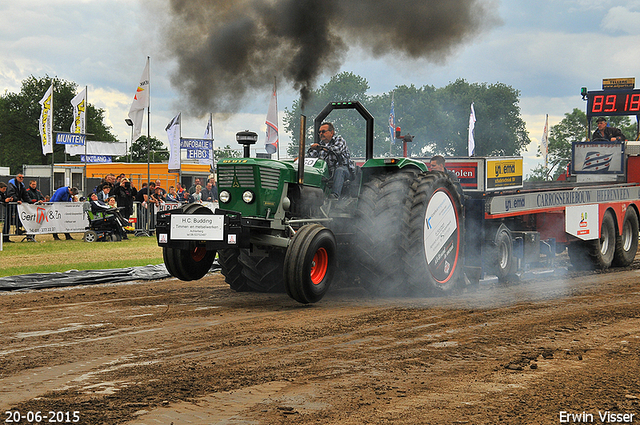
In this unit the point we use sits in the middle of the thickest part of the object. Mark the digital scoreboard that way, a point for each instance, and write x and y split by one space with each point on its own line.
613 102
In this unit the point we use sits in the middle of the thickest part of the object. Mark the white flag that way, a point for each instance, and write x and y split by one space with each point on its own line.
472 125
208 134
46 121
392 120
140 101
271 142
544 142
79 104
173 131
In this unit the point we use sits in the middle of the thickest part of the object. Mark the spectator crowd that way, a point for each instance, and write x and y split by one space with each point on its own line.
113 192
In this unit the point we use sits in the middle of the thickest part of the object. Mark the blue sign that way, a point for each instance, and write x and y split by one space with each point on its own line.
96 158
203 144
70 139
198 154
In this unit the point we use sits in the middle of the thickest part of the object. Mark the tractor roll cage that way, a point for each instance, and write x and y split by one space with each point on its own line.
348 105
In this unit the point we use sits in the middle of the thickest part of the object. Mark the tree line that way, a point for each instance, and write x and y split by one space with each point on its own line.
437 117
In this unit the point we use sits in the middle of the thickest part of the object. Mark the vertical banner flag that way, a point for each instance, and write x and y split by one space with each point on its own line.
208 134
472 126
140 101
392 120
544 142
79 104
46 121
271 142
173 131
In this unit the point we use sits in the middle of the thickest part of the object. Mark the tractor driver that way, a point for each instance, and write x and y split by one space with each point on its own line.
333 149
437 164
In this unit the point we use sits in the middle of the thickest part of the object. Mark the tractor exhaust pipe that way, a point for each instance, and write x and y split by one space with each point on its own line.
301 149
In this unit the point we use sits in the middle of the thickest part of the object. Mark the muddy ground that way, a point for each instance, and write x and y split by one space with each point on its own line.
172 352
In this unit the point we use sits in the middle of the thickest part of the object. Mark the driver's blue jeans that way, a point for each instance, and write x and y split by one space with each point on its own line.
341 174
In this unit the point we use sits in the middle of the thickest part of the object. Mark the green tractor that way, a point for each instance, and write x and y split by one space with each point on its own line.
397 229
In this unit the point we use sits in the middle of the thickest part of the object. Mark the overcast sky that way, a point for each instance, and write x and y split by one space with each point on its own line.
546 49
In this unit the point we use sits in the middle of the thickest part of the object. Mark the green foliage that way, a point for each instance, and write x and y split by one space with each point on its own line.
437 117
138 151
226 152
19 114
342 87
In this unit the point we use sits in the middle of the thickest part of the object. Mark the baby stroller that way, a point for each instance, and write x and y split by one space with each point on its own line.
102 226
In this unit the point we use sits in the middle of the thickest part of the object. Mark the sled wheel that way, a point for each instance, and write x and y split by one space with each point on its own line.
627 242
504 262
309 264
579 255
90 236
603 249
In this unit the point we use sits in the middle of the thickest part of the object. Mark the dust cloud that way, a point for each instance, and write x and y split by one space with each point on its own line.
227 50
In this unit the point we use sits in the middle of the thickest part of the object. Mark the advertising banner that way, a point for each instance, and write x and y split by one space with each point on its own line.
58 217
598 158
504 173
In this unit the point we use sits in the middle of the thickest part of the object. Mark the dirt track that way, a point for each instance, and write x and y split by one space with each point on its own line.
195 352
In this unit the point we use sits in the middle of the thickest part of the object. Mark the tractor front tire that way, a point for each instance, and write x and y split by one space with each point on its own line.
310 263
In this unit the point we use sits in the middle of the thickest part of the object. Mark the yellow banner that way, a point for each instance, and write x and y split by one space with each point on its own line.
504 173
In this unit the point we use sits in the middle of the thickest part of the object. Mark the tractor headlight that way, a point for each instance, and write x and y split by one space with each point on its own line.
224 196
248 196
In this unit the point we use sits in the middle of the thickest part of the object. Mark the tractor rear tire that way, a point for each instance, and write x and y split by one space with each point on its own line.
231 269
627 242
310 263
435 236
262 274
382 225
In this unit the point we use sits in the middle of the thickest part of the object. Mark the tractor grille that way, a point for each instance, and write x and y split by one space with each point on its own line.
242 173
269 178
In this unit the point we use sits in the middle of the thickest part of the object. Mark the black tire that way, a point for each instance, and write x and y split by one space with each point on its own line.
231 269
627 242
579 255
503 260
310 263
193 263
382 229
435 263
189 264
90 236
602 250
263 274
167 257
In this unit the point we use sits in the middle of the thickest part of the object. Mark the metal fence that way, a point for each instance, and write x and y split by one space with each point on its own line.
142 219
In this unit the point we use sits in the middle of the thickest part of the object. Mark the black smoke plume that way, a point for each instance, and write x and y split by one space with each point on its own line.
228 49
